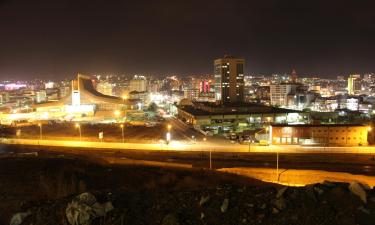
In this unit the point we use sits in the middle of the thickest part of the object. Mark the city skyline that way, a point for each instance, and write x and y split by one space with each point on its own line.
52 40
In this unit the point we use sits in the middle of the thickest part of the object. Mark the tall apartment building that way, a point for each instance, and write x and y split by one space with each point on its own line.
138 83
229 79
354 83
279 93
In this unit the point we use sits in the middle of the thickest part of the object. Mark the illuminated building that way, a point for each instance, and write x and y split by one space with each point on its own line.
354 84
191 93
85 100
49 85
4 98
40 96
105 88
14 86
64 91
143 97
288 94
329 134
229 79
204 86
138 83
235 117
279 93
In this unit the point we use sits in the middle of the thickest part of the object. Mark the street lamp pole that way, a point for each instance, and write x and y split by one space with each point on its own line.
122 133
80 133
168 135
277 165
40 131
210 150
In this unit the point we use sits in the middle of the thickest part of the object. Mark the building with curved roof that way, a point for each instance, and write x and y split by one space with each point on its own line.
84 98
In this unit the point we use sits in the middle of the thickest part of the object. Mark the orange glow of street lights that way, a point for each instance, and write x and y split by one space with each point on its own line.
117 113
80 132
122 133
40 131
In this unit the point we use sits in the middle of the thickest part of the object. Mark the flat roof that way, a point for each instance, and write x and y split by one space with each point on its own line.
250 110
317 125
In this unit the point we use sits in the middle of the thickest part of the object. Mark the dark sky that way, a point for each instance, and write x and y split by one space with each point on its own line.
55 39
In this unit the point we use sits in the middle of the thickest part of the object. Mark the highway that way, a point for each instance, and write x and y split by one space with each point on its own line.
185 150
363 163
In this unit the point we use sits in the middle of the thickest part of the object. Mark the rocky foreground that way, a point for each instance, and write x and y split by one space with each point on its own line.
327 203
67 189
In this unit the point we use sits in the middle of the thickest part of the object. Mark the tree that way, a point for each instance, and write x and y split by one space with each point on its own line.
152 107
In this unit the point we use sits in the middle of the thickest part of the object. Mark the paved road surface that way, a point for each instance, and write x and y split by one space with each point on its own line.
352 163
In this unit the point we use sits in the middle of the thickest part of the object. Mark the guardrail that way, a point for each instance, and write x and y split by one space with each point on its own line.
190 146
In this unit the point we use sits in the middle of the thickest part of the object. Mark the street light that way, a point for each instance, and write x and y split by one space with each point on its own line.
204 140
80 133
168 137
117 113
168 134
266 129
40 131
122 133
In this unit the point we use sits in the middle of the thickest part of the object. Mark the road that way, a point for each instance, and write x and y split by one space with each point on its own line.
112 132
338 162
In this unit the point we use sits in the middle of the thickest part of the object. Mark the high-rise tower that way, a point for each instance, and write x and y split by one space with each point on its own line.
229 79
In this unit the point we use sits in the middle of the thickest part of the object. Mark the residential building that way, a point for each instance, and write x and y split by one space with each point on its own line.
229 79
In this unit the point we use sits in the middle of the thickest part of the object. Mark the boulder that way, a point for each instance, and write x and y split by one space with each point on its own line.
170 219
18 218
281 192
84 208
204 199
359 190
225 205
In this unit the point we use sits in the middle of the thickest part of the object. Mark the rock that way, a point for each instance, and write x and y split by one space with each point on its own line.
18 218
87 198
84 208
108 207
361 208
170 219
310 192
260 217
202 215
275 211
225 205
328 183
281 192
279 203
204 199
98 209
357 189
319 190
250 205
263 206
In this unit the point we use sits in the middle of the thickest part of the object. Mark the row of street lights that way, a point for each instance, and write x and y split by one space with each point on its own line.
168 135
78 126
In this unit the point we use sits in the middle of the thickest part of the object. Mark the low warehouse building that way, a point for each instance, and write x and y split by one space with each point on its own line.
323 134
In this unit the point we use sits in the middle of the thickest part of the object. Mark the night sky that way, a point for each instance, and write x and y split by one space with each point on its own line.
55 39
